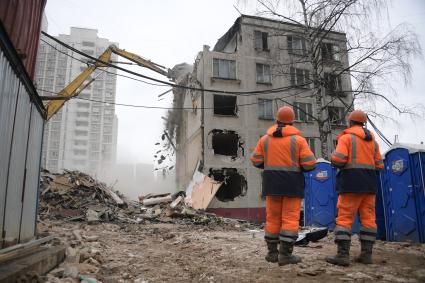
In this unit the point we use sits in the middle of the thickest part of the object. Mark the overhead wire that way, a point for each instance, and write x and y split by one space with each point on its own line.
379 133
187 108
105 71
241 93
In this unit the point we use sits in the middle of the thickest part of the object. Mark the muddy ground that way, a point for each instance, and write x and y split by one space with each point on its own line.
168 252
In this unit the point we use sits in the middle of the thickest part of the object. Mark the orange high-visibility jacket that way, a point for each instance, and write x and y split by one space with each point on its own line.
357 155
284 154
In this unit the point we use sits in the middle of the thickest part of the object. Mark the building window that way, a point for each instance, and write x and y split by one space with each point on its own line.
54 144
88 43
265 109
261 40
333 84
107 139
94 147
225 69
225 105
311 144
80 142
81 123
86 51
296 45
263 74
303 112
81 133
95 118
54 154
80 152
336 115
82 114
330 52
299 77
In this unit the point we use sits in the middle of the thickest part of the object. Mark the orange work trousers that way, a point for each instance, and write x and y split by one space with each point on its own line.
282 213
350 203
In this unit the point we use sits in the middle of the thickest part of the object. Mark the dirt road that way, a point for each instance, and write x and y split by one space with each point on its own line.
195 253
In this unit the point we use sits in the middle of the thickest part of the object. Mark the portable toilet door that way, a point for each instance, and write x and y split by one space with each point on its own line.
320 196
379 208
399 197
418 164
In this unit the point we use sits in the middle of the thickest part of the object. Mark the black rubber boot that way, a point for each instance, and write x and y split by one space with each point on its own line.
366 252
342 257
285 254
272 254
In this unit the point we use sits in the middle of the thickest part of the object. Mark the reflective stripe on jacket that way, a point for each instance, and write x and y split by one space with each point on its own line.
284 154
358 156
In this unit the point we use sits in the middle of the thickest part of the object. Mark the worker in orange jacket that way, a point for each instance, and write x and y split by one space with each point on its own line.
283 154
358 157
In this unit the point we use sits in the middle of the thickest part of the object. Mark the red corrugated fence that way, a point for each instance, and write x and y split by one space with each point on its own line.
22 21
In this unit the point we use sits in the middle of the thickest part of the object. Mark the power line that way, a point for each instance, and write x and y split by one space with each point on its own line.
105 71
255 92
379 133
185 108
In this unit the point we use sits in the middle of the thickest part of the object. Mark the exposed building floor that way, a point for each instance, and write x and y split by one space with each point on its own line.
169 252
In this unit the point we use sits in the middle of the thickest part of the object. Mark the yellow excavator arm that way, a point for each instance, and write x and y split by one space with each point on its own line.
76 86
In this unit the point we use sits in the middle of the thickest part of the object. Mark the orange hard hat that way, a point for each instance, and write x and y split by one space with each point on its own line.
285 115
358 116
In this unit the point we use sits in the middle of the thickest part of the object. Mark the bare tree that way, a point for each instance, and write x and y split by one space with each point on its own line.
376 60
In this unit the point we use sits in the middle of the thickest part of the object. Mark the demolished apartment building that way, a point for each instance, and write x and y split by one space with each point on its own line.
219 131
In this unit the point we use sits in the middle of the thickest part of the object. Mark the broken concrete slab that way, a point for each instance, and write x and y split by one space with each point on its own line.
153 201
201 191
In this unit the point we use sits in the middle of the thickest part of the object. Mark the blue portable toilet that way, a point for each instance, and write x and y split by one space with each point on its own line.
320 196
400 192
418 164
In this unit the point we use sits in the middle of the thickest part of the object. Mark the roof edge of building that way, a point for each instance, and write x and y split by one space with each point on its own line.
222 41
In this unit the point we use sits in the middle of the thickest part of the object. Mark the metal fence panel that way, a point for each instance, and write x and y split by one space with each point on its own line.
29 210
9 85
17 168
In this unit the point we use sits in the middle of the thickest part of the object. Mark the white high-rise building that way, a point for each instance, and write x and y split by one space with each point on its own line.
83 134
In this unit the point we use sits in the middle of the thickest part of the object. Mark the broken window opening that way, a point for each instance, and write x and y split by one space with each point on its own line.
336 115
234 184
225 105
330 52
333 84
226 143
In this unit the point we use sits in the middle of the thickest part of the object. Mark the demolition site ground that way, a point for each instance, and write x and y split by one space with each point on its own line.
109 238
178 252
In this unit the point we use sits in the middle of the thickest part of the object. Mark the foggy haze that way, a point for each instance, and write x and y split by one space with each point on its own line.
173 32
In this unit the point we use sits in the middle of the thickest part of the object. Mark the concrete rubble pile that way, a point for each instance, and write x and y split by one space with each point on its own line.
173 208
73 195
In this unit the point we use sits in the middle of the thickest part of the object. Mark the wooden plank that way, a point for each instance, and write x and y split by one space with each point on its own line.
39 262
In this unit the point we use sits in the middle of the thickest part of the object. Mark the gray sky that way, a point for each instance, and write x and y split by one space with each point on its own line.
171 32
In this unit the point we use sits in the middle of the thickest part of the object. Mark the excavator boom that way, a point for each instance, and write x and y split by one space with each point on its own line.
76 86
